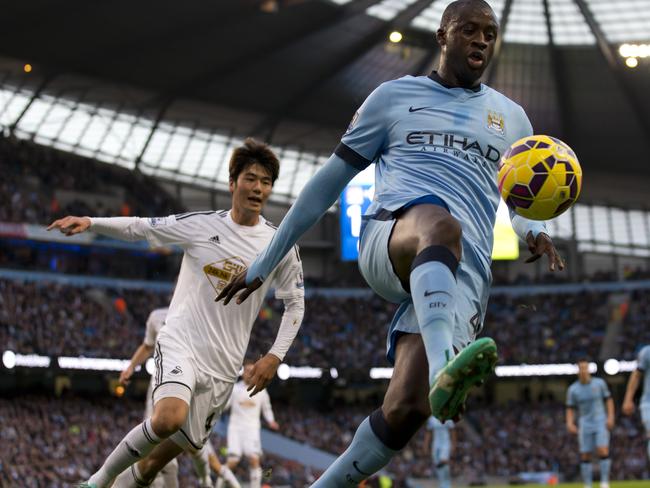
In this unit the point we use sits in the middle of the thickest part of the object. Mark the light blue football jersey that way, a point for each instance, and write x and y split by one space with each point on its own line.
643 364
428 139
589 401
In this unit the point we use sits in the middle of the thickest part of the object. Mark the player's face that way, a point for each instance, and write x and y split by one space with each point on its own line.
583 371
468 43
251 189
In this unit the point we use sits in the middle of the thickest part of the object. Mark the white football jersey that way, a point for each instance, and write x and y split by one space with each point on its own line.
155 321
217 249
245 410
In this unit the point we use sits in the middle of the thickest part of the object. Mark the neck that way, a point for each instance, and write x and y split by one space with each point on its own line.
451 79
585 380
244 217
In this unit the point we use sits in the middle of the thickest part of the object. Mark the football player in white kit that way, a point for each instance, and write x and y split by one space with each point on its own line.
168 475
244 425
200 350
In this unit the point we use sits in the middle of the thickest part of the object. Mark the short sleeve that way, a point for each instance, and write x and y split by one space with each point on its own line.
642 359
431 423
288 279
570 400
179 229
367 133
605 389
523 128
150 332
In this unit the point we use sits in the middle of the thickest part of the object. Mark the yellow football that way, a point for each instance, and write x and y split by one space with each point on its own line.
540 177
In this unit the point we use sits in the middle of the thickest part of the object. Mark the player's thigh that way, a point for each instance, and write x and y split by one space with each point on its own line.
375 263
252 444
602 440
208 401
408 388
235 439
586 441
174 385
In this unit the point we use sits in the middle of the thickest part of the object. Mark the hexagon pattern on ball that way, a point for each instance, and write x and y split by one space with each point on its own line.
539 177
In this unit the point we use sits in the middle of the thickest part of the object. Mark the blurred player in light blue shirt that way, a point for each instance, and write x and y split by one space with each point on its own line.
642 370
589 396
441 434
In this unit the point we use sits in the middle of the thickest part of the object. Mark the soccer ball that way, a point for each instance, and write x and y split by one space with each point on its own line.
540 177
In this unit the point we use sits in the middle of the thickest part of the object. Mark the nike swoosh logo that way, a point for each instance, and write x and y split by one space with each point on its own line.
355 464
411 109
428 293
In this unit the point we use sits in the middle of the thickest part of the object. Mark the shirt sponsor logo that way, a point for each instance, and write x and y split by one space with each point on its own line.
215 240
156 221
458 146
221 272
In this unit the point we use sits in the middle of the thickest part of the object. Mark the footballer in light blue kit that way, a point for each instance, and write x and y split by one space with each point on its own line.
642 371
441 440
589 396
427 237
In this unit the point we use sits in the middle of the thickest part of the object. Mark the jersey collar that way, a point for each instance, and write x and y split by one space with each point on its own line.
436 77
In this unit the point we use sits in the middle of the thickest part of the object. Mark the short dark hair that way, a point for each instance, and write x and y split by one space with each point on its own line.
253 152
583 359
454 8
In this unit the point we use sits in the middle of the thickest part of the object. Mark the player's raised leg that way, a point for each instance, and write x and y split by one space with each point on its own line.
425 249
388 429
144 472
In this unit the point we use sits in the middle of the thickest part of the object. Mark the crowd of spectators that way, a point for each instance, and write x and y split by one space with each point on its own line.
348 333
32 174
54 442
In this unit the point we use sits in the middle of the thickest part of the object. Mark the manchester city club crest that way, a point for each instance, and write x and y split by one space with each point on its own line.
496 122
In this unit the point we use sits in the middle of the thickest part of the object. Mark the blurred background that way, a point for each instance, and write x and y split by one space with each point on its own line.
133 108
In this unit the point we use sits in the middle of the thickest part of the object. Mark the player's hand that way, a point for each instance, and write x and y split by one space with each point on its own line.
610 424
125 376
628 407
71 225
543 244
262 373
274 426
238 283
572 428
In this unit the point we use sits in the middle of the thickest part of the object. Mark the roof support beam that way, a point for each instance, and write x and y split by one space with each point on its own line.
615 64
379 34
491 75
561 88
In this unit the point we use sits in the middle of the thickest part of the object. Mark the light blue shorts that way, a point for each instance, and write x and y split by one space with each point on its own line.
589 439
473 277
441 451
645 417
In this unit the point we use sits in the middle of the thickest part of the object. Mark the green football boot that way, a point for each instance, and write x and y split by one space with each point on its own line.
470 367
85 484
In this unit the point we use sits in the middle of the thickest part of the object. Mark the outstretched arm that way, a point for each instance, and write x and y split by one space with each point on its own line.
139 356
316 197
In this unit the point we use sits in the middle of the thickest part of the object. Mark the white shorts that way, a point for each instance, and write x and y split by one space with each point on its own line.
148 406
473 277
244 441
177 376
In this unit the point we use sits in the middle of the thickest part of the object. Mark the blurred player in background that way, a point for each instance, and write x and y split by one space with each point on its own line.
427 237
199 351
168 476
642 369
439 437
244 425
589 396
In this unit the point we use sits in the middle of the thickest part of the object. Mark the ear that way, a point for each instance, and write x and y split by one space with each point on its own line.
231 185
441 36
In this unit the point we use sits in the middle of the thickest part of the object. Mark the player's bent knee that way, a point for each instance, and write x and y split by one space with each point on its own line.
406 414
445 230
168 417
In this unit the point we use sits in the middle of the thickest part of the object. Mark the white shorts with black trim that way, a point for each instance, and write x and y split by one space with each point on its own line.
177 376
243 441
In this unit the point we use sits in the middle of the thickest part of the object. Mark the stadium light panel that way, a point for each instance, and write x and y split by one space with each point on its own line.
27 68
632 62
9 359
395 37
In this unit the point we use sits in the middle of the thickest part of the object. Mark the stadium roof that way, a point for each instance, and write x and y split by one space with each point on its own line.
294 71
